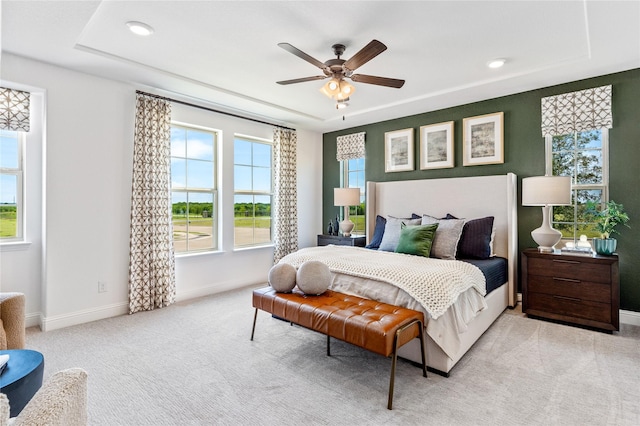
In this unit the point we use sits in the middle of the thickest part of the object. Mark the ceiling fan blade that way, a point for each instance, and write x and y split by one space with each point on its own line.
380 81
300 54
302 80
367 53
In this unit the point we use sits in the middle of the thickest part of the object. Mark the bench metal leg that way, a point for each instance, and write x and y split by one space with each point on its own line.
394 356
423 350
253 329
328 345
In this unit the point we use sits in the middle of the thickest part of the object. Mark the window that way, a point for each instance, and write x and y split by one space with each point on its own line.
353 177
193 188
11 194
252 168
584 157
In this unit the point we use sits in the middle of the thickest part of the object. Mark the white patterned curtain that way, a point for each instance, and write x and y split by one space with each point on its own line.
580 111
151 259
350 147
285 197
14 110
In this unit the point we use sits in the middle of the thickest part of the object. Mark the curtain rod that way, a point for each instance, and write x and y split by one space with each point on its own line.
211 109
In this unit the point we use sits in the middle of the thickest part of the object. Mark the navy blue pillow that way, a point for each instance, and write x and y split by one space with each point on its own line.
378 233
475 241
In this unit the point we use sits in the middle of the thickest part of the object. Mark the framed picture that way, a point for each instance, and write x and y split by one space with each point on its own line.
482 139
436 146
398 151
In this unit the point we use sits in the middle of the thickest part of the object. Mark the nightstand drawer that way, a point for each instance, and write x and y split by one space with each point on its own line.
576 289
574 268
568 307
569 287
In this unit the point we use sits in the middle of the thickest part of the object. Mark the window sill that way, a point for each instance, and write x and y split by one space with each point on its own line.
198 254
15 246
246 248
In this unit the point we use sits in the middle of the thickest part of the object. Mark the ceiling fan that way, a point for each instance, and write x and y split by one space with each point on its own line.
338 69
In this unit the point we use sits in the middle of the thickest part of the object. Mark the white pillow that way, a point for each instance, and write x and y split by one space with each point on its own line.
392 232
282 277
445 242
313 277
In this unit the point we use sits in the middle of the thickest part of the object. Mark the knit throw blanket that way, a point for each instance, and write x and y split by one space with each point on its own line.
434 283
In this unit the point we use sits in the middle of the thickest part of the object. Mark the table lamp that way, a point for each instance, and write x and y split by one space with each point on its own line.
546 191
346 197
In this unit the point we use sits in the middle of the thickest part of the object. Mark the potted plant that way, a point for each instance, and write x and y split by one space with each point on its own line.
606 220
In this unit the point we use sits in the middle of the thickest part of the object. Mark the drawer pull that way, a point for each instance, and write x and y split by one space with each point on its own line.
571 280
573 262
573 299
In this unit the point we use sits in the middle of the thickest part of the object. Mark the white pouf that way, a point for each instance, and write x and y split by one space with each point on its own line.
314 277
282 277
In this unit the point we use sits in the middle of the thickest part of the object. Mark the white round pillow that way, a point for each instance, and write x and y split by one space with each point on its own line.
282 277
314 277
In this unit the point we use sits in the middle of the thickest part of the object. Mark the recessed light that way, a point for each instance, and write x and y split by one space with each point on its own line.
496 63
140 28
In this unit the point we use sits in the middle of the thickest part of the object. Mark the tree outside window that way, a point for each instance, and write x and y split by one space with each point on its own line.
353 177
11 196
193 189
252 191
584 157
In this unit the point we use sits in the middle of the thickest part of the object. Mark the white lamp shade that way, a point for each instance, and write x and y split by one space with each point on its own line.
546 191
346 196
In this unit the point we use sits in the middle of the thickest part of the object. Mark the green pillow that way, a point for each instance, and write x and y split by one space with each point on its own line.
416 239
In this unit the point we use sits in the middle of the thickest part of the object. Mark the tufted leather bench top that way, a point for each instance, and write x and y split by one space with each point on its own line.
365 323
377 327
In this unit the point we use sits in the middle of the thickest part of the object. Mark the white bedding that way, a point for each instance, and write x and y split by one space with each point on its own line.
459 293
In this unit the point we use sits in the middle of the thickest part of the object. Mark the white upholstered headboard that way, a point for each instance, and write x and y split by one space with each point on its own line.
465 197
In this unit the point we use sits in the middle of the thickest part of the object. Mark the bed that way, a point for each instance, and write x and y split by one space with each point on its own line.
452 331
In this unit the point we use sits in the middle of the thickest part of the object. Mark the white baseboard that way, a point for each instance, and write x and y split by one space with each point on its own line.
33 320
88 315
629 317
212 289
84 316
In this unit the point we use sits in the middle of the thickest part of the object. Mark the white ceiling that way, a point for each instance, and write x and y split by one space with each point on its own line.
225 54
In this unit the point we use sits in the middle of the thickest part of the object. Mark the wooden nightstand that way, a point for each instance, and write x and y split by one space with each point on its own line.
338 240
576 289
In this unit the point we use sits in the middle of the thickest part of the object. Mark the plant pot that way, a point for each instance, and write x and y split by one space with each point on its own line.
605 246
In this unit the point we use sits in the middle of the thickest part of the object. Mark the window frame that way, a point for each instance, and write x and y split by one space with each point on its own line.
603 186
19 172
217 136
344 180
253 193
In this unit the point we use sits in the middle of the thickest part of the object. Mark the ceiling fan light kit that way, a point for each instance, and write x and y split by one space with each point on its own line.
337 88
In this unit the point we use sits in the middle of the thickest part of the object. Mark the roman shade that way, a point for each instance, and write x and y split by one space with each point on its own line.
14 109
350 146
580 111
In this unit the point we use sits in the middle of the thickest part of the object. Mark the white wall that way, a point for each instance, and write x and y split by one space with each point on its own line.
89 146
21 263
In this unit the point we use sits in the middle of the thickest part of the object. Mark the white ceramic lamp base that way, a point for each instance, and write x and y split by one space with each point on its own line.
346 226
545 235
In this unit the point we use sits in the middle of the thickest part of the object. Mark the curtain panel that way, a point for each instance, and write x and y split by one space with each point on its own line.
350 147
14 109
580 111
285 197
151 260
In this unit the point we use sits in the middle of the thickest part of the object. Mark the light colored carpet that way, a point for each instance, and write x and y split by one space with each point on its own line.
193 364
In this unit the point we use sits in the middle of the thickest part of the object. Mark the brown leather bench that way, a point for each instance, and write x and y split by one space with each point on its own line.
377 327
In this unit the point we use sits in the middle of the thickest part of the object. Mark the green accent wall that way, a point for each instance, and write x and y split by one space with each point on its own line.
523 155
